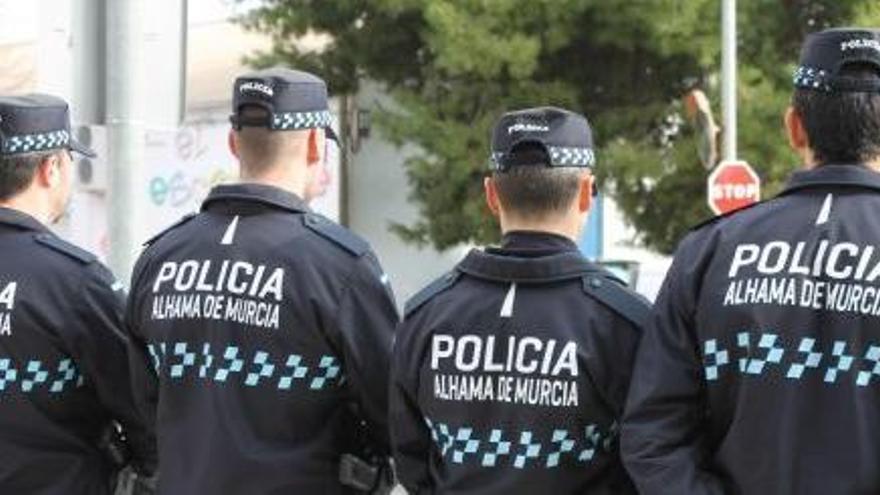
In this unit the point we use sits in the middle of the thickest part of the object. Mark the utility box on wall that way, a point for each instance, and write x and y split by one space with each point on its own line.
91 173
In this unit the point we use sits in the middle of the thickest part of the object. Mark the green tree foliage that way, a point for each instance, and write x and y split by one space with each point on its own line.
455 65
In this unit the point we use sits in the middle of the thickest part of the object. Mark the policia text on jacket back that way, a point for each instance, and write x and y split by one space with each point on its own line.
268 327
64 381
759 374
510 372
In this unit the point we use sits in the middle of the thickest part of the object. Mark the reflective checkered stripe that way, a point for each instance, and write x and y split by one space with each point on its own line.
38 376
806 77
571 157
301 120
495 160
559 157
28 143
200 363
767 355
522 449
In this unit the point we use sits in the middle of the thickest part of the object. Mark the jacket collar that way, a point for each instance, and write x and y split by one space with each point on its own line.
833 175
537 241
501 268
21 220
256 193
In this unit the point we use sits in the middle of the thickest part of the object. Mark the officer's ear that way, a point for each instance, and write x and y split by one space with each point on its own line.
586 192
313 155
491 196
48 173
232 141
797 134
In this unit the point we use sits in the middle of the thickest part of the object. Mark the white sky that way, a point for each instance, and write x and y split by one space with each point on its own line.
204 11
20 20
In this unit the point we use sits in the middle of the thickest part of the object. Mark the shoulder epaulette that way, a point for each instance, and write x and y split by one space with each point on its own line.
628 304
336 234
60 245
183 220
711 220
426 294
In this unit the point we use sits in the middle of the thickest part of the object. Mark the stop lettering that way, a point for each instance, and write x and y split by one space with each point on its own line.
731 186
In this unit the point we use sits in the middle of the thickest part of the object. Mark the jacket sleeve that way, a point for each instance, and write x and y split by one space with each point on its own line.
410 436
101 351
663 438
145 382
365 323
614 344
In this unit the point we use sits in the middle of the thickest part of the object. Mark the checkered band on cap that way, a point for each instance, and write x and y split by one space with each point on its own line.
29 143
806 77
301 120
559 157
571 157
495 160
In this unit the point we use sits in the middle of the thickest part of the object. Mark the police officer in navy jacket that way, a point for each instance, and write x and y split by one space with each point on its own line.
68 419
759 371
268 327
510 372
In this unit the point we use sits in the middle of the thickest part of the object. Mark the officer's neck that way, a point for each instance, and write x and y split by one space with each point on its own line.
872 165
568 226
809 160
279 177
34 203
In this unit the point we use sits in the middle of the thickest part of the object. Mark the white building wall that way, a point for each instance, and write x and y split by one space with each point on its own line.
619 245
378 196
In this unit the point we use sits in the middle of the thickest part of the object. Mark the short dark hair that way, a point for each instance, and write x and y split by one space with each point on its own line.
843 127
17 172
531 188
259 147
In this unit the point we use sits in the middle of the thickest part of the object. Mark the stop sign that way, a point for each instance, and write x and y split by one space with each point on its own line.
731 186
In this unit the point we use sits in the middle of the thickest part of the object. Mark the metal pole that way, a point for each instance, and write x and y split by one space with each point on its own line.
125 131
89 72
184 43
346 105
728 77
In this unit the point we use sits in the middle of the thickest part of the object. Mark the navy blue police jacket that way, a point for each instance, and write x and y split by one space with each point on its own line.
268 328
510 374
760 371
64 380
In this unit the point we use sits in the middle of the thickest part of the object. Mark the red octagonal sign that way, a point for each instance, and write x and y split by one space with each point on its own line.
731 186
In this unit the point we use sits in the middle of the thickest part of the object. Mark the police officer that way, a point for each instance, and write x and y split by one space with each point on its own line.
510 372
268 326
64 385
759 373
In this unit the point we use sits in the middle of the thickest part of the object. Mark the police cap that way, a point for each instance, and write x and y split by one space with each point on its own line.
564 136
294 100
826 53
36 123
